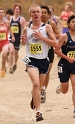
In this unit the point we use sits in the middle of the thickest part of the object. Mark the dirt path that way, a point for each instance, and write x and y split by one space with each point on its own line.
15 96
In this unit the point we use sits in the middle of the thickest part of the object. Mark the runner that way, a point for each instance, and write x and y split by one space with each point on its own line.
45 19
66 65
17 23
9 13
4 43
55 18
65 15
36 59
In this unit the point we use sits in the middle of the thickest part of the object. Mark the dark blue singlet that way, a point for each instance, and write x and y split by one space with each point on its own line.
66 68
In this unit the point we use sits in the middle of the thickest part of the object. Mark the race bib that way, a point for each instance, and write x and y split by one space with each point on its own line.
36 48
65 24
2 36
15 29
59 69
71 54
50 47
26 60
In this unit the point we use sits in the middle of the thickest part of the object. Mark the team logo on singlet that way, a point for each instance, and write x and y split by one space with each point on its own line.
2 36
15 29
35 48
71 54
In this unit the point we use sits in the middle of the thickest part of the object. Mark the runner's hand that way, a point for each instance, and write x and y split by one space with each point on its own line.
13 39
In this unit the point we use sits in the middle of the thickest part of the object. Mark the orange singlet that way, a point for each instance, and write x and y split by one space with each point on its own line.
3 35
65 17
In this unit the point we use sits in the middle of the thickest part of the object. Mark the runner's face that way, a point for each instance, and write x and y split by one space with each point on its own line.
35 13
72 24
17 10
8 16
1 14
45 15
67 8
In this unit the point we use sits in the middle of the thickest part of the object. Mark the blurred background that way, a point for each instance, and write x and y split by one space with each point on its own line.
58 5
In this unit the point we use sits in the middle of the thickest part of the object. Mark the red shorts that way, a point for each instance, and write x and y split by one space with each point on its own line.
3 43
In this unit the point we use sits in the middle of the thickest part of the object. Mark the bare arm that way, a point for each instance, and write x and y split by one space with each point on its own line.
23 22
61 41
61 14
24 36
72 13
55 29
9 31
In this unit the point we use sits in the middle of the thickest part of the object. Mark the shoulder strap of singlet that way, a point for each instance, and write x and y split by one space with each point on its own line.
5 21
69 14
43 24
13 20
68 35
19 18
30 22
48 22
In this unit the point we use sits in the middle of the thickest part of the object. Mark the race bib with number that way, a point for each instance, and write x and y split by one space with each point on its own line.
2 36
65 24
15 29
71 54
36 48
59 69
26 60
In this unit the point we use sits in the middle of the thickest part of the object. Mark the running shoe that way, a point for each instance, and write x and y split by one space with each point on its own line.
3 73
11 70
14 67
58 89
32 104
74 114
43 96
39 116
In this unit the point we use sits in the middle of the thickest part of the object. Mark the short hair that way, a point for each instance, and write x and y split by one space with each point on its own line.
70 18
46 7
9 11
69 3
33 5
17 4
2 9
50 7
